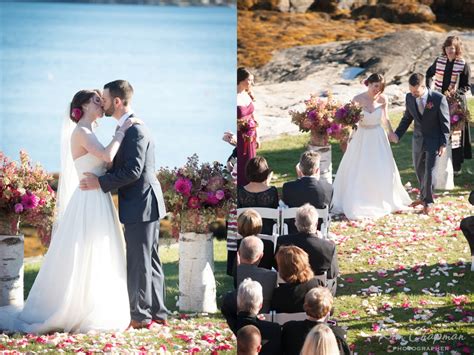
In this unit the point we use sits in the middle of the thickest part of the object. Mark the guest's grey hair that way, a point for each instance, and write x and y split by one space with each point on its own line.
249 296
251 248
307 219
309 161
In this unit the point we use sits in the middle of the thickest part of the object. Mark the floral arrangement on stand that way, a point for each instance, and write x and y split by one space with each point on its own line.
459 114
326 118
197 195
26 198
318 118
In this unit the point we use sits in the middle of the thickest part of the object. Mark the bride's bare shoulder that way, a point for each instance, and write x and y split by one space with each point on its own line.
359 98
383 99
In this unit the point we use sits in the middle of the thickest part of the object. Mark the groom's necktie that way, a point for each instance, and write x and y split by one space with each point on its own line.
420 105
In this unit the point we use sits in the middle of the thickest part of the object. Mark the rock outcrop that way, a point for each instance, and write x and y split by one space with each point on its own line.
397 11
339 67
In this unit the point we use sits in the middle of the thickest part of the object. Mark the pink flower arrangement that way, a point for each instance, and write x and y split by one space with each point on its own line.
197 194
26 198
318 116
429 105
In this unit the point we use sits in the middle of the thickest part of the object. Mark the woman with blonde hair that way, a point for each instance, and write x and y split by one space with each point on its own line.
295 270
451 72
320 341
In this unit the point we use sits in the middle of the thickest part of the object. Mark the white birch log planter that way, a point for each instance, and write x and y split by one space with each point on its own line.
11 270
325 165
197 285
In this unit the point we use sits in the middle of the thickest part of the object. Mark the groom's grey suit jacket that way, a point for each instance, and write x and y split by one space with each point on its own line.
133 174
431 129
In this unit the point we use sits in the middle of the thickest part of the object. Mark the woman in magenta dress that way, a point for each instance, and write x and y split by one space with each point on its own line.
247 139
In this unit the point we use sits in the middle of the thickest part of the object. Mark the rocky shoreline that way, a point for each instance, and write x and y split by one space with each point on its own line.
339 67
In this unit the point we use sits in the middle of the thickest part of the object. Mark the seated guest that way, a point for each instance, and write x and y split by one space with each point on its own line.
250 223
249 302
467 227
249 340
317 305
322 253
258 193
320 341
250 254
294 269
307 188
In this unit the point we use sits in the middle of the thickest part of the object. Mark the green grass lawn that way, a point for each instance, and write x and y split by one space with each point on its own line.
405 285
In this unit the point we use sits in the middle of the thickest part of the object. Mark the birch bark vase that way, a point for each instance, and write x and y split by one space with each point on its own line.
320 144
197 285
11 270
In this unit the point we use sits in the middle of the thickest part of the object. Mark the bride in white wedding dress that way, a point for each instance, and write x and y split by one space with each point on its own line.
367 183
82 283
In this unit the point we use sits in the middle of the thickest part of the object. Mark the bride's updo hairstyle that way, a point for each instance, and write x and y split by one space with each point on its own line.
376 78
82 97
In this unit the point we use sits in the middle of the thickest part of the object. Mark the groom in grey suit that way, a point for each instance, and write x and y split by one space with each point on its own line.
141 205
430 111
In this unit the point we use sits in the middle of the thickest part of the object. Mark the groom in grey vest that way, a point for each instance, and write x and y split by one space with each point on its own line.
141 206
430 111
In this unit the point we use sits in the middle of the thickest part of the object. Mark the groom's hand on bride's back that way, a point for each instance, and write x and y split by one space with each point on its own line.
90 182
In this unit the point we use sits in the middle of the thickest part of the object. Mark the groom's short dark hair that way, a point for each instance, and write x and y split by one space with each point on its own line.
121 89
416 79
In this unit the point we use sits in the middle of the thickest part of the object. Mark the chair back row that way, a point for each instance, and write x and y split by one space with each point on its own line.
281 214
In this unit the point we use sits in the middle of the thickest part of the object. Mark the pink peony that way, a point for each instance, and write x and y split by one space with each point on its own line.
183 186
29 201
18 208
220 194
454 118
193 202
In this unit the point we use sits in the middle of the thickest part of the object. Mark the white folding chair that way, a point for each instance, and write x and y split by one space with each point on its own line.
268 213
282 318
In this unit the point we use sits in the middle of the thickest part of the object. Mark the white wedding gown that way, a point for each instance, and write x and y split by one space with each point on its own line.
82 283
367 183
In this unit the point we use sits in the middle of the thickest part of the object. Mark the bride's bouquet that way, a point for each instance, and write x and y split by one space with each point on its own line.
26 198
318 117
458 112
347 116
197 195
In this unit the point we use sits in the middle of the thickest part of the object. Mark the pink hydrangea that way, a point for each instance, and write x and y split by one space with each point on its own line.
183 186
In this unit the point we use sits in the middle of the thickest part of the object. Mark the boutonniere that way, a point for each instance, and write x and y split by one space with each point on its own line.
429 105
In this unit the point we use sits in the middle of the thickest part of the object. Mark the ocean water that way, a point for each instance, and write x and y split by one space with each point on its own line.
180 61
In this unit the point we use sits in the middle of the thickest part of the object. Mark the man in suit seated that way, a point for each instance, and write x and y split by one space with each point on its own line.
249 340
317 305
322 253
467 227
308 188
249 303
250 254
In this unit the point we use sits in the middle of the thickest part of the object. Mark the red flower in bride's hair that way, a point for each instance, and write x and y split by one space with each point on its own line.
366 82
76 114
